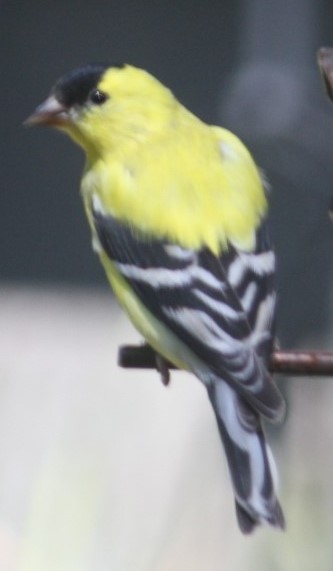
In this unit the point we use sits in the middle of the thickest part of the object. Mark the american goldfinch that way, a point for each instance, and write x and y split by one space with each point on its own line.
177 211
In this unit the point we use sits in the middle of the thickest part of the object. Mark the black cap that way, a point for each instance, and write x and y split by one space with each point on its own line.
74 87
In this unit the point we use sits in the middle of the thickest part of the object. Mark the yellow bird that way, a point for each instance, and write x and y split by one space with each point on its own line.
177 213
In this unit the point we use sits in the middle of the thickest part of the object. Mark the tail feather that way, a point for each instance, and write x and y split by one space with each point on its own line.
249 459
246 523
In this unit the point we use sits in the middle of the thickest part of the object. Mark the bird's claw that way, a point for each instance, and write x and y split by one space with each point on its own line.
163 369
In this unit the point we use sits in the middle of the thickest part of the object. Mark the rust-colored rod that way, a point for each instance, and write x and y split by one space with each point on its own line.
293 363
305 363
325 62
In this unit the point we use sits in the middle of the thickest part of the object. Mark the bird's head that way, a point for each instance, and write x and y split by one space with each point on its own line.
102 106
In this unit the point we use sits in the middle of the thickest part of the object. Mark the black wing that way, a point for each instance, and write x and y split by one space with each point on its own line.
220 308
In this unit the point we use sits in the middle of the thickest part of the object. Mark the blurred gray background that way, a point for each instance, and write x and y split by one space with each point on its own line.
102 468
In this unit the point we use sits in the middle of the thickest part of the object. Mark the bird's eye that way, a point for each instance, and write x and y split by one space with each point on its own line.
98 97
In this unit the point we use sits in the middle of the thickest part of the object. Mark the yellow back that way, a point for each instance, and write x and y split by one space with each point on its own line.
166 172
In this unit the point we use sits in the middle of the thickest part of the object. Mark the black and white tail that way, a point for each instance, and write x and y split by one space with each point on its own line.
250 461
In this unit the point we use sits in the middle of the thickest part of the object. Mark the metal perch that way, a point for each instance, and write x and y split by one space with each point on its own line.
325 62
294 363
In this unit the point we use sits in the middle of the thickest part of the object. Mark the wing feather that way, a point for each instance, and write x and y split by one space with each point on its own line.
220 308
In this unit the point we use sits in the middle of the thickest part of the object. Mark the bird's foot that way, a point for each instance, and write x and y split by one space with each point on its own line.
163 369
